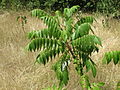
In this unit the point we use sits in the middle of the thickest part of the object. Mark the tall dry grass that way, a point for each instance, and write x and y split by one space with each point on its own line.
17 69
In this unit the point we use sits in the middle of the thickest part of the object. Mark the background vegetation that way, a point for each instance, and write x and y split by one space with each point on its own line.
108 6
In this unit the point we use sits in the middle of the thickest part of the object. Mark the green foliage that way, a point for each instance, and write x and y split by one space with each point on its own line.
81 30
86 85
45 55
72 42
45 33
31 4
87 43
96 86
39 13
61 69
13 4
112 55
108 6
105 6
87 19
61 4
91 65
118 86
85 82
42 43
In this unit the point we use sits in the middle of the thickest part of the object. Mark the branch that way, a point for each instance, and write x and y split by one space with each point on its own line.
70 49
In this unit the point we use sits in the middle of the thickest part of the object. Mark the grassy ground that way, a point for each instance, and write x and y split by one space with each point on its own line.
17 69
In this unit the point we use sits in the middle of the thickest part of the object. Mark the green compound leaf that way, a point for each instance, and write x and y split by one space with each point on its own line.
112 55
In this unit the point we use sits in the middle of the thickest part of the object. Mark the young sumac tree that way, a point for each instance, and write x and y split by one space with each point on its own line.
69 37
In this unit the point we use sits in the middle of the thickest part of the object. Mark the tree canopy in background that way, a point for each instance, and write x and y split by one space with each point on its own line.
107 6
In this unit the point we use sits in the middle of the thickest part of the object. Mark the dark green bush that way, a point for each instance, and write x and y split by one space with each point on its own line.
108 6
104 6
48 4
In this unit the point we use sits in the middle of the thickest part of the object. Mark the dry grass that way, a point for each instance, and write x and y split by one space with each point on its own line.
17 69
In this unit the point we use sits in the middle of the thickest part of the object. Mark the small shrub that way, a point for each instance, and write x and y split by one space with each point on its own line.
71 41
